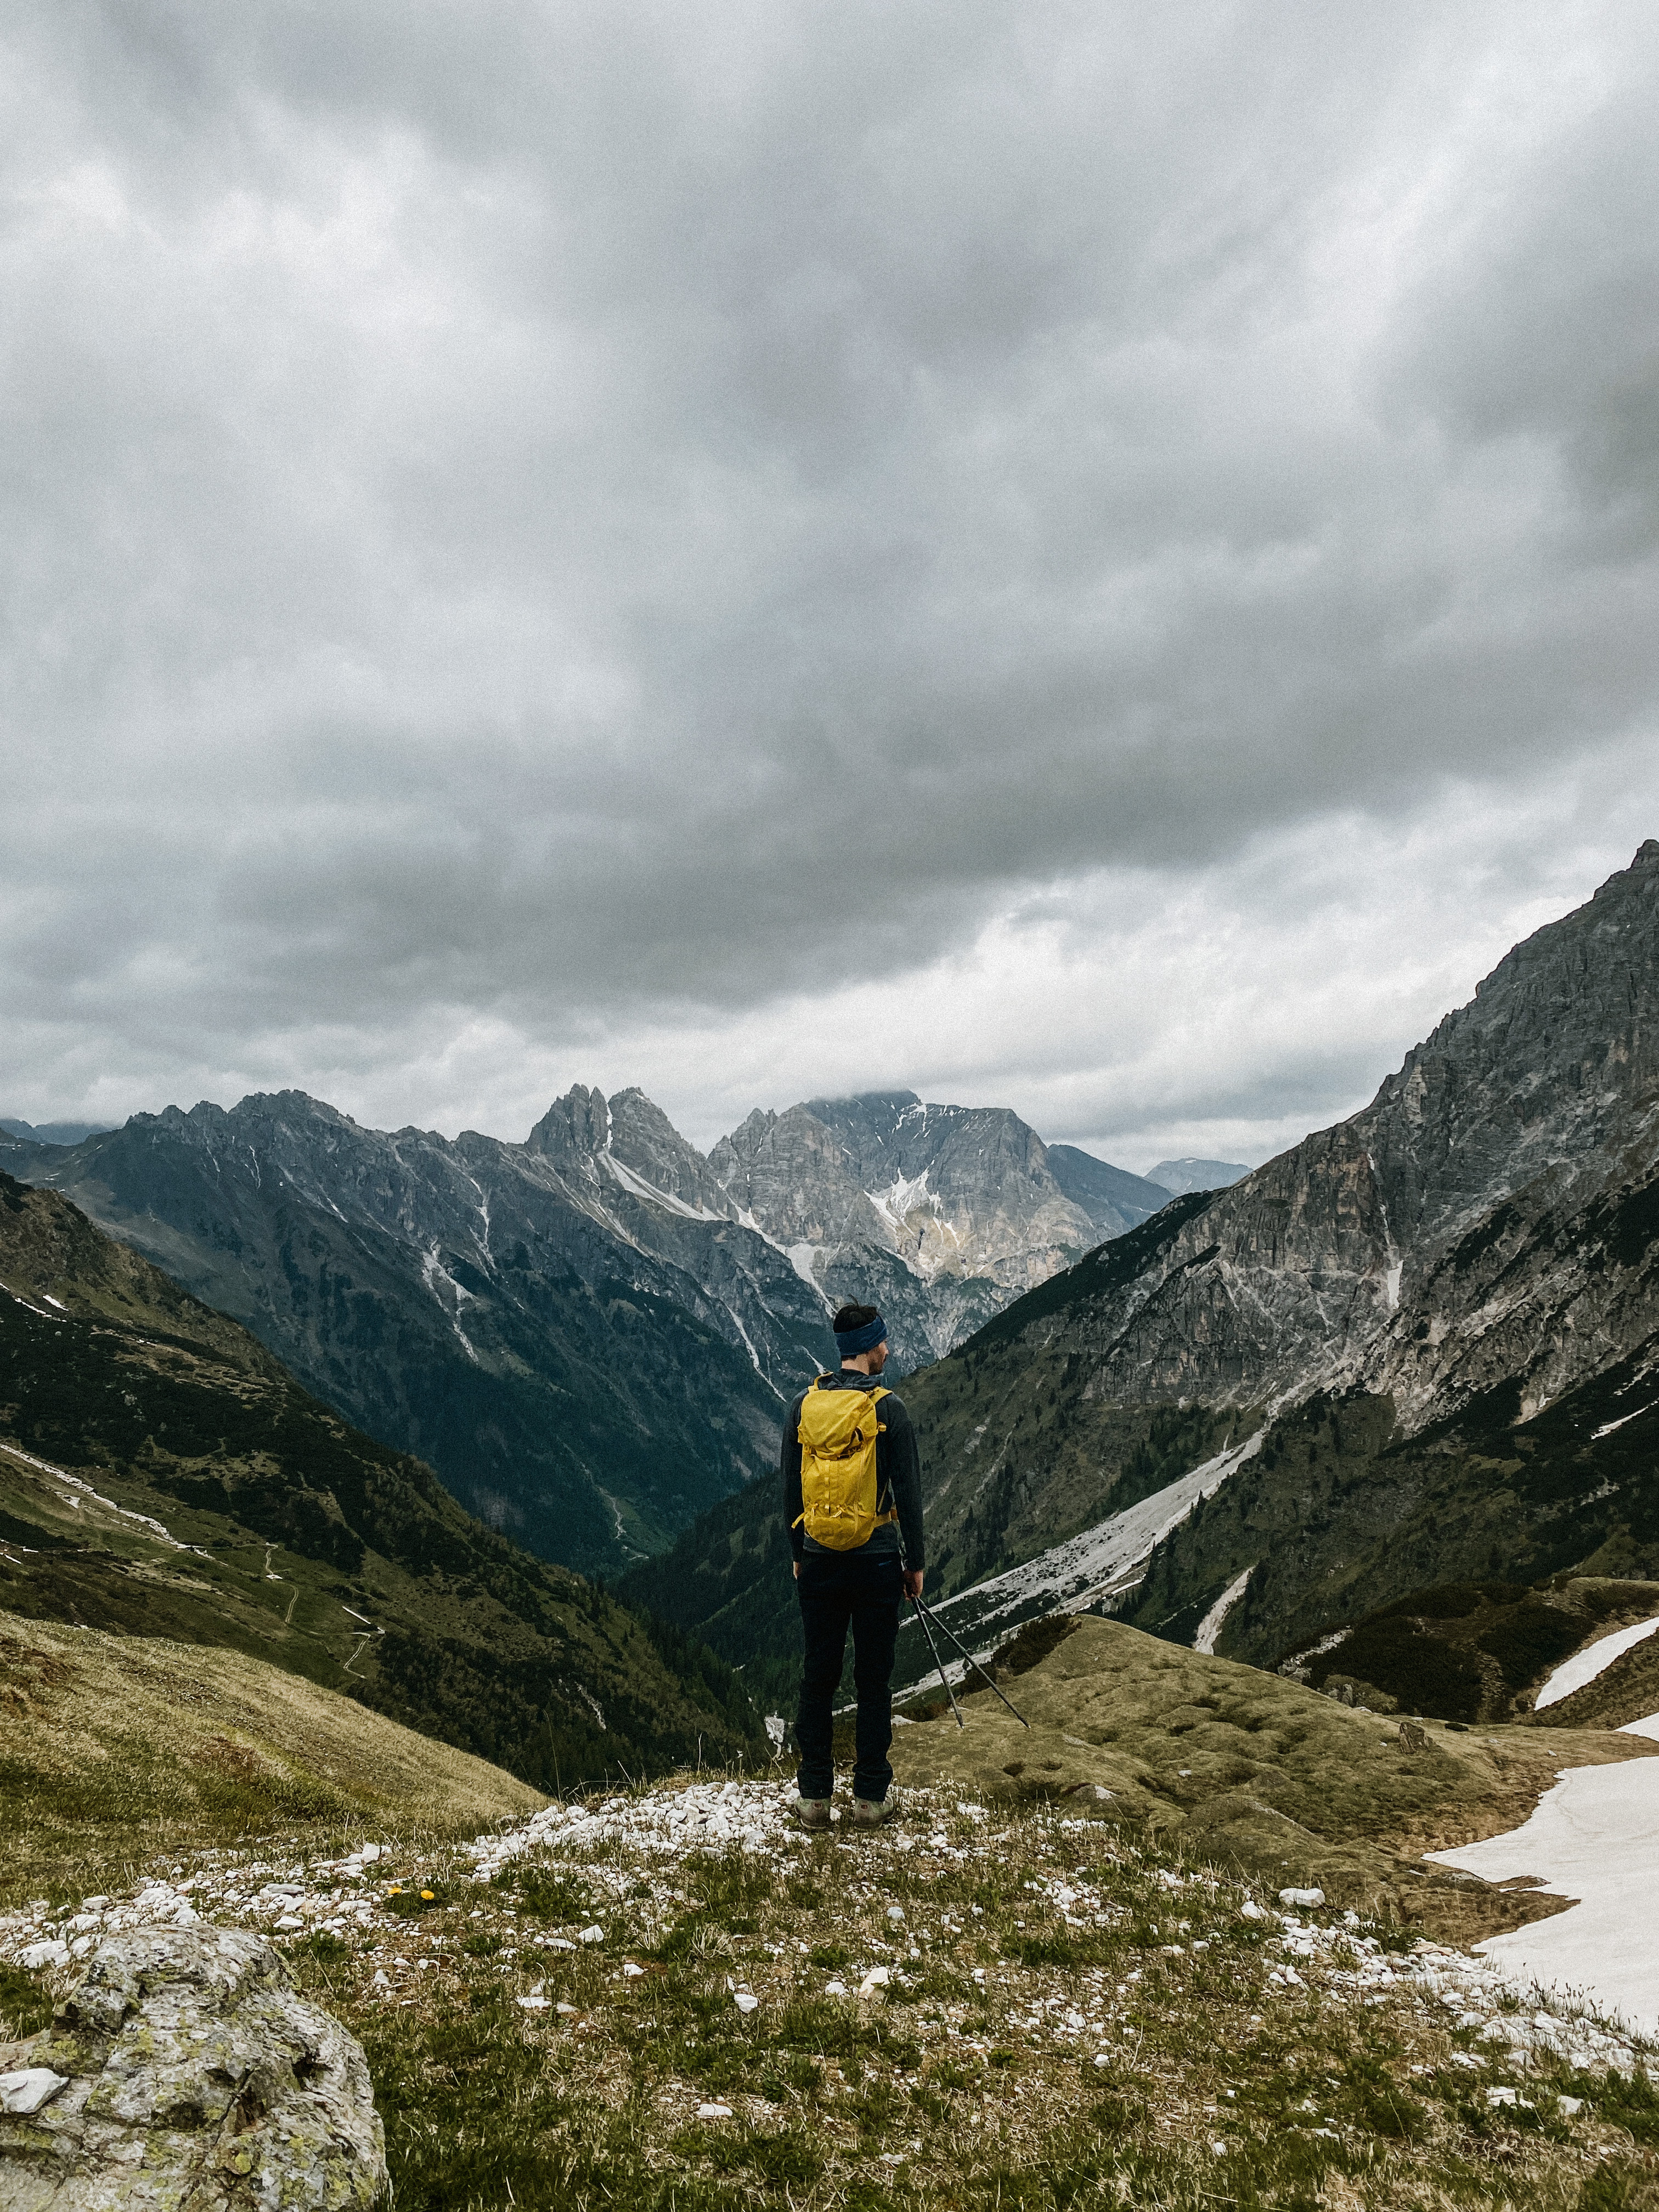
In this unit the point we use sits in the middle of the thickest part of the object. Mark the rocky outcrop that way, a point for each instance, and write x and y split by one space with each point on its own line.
1381 1254
185 2074
968 1201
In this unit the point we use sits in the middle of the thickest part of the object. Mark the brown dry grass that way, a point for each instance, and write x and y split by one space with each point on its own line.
1251 1768
117 1747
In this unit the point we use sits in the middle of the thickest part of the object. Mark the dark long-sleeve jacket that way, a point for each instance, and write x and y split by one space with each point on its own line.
898 1474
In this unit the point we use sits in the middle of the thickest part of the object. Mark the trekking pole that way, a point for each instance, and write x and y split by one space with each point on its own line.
970 1660
921 1615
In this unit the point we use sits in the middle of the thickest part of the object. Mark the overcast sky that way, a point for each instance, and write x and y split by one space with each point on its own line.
1089 557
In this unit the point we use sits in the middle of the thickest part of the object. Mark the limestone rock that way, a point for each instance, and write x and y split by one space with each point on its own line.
195 2078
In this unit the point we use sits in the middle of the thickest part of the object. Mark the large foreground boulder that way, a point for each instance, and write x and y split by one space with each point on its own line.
185 2074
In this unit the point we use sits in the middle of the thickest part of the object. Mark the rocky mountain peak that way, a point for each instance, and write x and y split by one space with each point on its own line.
573 1127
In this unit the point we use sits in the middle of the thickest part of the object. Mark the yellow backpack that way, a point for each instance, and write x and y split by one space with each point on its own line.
838 1431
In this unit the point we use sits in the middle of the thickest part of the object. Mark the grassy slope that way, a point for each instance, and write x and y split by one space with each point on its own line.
1214 1758
313 1547
118 1745
1074 2021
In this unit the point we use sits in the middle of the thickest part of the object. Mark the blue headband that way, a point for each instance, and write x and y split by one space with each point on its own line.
849 1342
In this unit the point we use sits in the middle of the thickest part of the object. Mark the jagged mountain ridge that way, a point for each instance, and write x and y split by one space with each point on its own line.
969 1201
518 1316
1469 1256
589 1335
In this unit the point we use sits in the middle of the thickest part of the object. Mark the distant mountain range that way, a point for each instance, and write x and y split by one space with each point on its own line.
590 1335
52 1133
1179 1176
1435 1326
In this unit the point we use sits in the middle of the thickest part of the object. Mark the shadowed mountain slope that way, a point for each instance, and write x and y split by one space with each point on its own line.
161 1474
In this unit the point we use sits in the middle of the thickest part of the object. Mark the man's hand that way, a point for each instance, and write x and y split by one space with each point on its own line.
913 1584
798 1571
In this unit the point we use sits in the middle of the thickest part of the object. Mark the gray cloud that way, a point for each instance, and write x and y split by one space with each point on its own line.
583 527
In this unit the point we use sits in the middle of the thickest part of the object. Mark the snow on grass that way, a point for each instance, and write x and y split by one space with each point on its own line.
1594 1838
1584 1666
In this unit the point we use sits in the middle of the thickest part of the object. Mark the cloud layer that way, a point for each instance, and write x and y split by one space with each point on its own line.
535 538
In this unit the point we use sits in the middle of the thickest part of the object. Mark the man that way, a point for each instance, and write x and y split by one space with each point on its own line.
852 1499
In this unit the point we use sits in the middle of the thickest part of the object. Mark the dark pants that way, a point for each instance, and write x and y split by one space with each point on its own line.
835 1588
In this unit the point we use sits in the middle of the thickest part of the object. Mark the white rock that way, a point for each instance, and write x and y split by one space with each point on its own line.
594 1934
1570 2107
1302 1897
896 1912
533 2004
52 1953
566 2011
631 1972
744 2002
877 1978
713 2111
381 1980
834 1988
28 2089
289 1924
370 1852
1251 1910
1502 2097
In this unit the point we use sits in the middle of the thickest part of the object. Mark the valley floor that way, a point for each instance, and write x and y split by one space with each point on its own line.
669 1998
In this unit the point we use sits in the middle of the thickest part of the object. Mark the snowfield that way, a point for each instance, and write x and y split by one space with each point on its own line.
1594 1839
1584 1666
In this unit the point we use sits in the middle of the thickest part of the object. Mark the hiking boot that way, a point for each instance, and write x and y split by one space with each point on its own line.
812 1812
869 1812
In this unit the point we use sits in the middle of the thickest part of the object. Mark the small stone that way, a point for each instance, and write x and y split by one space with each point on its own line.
289 1924
1251 1910
896 1913
52 1953
713 2111
834 1988
594 1934
533 2004
744 2002
565 2011
631 1972
370 1852
1302 1897
877 1978
28 2089
1570 2107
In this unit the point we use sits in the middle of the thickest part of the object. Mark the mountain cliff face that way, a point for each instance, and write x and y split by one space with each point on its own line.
1440 1318
968 1201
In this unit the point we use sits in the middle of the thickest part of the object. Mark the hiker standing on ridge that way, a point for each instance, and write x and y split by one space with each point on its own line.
852 1489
